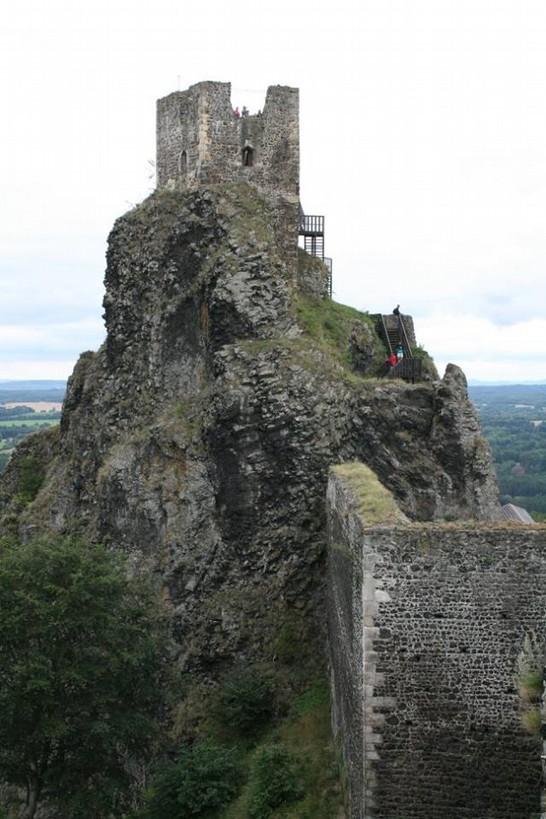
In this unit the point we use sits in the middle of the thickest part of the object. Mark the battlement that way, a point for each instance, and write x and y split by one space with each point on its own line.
201 140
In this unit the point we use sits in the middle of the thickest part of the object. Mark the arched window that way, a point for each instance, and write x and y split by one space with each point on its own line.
183 163
248 156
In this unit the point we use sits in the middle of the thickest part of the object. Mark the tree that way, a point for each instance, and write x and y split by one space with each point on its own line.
81 649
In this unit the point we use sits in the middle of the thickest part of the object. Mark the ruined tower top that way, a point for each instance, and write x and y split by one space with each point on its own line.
201 140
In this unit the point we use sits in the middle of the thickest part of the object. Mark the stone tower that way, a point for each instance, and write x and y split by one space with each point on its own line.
201 142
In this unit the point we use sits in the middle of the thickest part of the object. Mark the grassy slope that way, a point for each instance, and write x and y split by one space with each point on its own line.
306 734
329 325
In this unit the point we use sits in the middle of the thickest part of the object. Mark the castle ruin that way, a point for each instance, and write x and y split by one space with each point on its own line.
201 141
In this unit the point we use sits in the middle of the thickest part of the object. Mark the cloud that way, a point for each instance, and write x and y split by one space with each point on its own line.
484 349
423 129
36 370
48 338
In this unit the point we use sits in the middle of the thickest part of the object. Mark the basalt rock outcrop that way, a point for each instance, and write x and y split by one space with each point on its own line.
199 437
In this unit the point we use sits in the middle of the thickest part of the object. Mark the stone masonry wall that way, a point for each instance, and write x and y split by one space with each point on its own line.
200 124
427 622
200 142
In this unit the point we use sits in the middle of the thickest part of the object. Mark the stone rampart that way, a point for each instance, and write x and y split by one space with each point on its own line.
427 628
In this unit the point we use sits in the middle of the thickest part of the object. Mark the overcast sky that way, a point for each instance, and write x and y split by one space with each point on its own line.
423 141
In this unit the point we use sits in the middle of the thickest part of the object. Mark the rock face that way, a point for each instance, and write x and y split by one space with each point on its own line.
200 435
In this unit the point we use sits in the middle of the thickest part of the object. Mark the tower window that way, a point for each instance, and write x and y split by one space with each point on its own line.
183 163
248 156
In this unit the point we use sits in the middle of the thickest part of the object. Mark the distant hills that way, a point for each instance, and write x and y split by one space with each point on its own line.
508 394
11 391
32 385
473 382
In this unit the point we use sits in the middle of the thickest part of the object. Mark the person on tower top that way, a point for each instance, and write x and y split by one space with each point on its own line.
396 311
237 113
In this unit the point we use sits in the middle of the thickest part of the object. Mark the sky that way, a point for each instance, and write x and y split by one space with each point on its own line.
423 142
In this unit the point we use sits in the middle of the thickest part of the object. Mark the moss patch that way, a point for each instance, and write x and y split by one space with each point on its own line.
375 504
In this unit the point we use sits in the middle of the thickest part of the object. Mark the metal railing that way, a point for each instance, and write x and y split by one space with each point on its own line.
329 265
383 329
409 369
404 336
311 225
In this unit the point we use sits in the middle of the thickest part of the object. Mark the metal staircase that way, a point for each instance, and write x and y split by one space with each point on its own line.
393 332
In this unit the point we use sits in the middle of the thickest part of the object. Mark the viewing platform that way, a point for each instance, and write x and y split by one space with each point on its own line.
312 230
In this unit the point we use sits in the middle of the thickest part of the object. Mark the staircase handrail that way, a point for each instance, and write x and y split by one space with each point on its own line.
404 336
386 334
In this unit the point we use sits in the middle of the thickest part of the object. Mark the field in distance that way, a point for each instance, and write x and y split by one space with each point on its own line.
36 406
26 407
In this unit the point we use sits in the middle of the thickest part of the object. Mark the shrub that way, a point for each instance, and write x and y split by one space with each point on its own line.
31 478
245 703
530 686
205 777
314 697
532 720
274 781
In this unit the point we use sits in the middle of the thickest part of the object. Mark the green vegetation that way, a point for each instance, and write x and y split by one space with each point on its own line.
274 781
530 686
330 326
81 649
83 689
375 504
204 778
530 681
29 423
288 770
31 478
244 703
16 422
292 771
284 766
513 420
532 720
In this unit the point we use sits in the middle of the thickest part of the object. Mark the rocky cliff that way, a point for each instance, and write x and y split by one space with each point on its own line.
199 436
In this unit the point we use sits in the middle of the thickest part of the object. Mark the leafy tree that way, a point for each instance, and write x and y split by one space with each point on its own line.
80 661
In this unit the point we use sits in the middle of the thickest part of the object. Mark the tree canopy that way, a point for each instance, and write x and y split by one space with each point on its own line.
81 649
